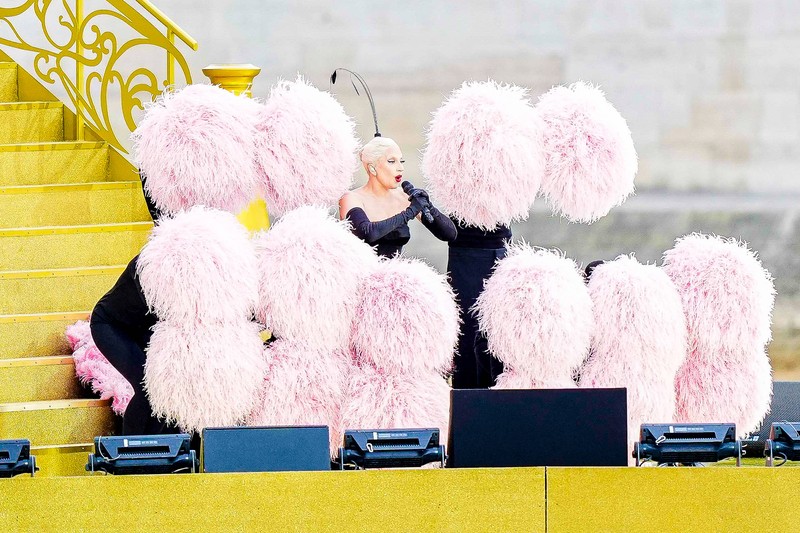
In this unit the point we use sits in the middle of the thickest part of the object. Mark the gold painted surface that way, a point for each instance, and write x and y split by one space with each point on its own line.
48 360
237 79
69 461
36 335
38 382
53 163
58 292
670 499
255 216
458 500
31 124
76 422
70 204
8 82
72 247
94 42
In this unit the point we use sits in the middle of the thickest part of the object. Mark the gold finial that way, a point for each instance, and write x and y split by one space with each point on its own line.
235 78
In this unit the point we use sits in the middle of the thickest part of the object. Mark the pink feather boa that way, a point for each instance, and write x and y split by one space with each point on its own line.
93 369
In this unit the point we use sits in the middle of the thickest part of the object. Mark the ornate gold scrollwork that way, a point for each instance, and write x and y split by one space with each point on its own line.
96 42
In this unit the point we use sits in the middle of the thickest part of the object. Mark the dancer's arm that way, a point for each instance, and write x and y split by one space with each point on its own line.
370 231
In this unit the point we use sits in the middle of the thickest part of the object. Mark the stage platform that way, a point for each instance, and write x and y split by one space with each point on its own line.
502 499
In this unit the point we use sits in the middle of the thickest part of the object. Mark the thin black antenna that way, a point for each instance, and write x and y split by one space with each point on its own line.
366 90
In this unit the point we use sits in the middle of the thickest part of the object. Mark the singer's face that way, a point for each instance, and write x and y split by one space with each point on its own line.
390 168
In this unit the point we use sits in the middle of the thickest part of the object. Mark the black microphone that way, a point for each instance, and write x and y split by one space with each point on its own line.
426 207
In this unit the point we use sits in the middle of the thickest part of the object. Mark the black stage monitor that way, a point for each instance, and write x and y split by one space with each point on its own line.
785 407
266 449
543 427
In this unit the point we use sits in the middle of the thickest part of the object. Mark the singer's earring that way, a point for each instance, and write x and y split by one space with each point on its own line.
372 170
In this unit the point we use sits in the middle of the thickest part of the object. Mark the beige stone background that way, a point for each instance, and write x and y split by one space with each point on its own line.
710 90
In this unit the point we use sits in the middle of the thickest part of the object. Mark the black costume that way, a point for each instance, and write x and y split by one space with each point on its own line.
121 328
390 235
471 257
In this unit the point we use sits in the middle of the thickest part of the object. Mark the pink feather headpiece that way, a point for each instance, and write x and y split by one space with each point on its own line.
727 298
197 266
483 160
310 266
537 315
589 153
305 147
195 147
407 319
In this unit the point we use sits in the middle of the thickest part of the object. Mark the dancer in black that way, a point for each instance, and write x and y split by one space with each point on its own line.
380 210
471 257
121 328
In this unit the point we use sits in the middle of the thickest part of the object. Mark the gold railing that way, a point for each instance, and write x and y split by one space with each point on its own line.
85 46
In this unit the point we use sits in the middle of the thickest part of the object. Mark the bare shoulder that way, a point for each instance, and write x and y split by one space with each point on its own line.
348 201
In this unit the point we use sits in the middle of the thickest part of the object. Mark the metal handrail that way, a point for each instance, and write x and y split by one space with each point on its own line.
87 64
166 21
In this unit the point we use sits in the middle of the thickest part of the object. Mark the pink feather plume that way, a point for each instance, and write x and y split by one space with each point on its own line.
199 265
639 339
305 147
590 158
727 299
381 400
483 160
407 319
303 386
195 146
92 368
199 375
537 316
310 266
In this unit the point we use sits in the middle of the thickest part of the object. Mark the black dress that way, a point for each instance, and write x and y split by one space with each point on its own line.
121 327
471 258
390 235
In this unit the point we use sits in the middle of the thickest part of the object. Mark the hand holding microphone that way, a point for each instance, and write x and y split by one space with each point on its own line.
419 197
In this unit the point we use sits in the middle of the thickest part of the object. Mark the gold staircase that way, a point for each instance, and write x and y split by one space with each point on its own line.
72 215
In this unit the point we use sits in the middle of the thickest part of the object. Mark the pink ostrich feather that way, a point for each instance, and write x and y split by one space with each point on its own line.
310 266
92 368
407 319
727 299
639 339
199 265
379 400
303 386
719 391
590 158
305 147
537 316
200 376
727 295
483 160
195 146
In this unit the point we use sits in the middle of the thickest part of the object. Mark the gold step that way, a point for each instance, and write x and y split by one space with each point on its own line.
38 334
71 246
72 204
49 291
56 422
33 379
8 82
62 460
48 163
31 122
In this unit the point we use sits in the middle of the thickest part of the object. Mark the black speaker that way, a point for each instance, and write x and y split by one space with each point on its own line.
266 449
543 427
785 408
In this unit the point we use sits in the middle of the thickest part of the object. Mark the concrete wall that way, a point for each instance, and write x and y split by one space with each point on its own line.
710 88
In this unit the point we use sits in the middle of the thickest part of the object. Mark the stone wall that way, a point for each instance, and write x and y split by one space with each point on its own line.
710 89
